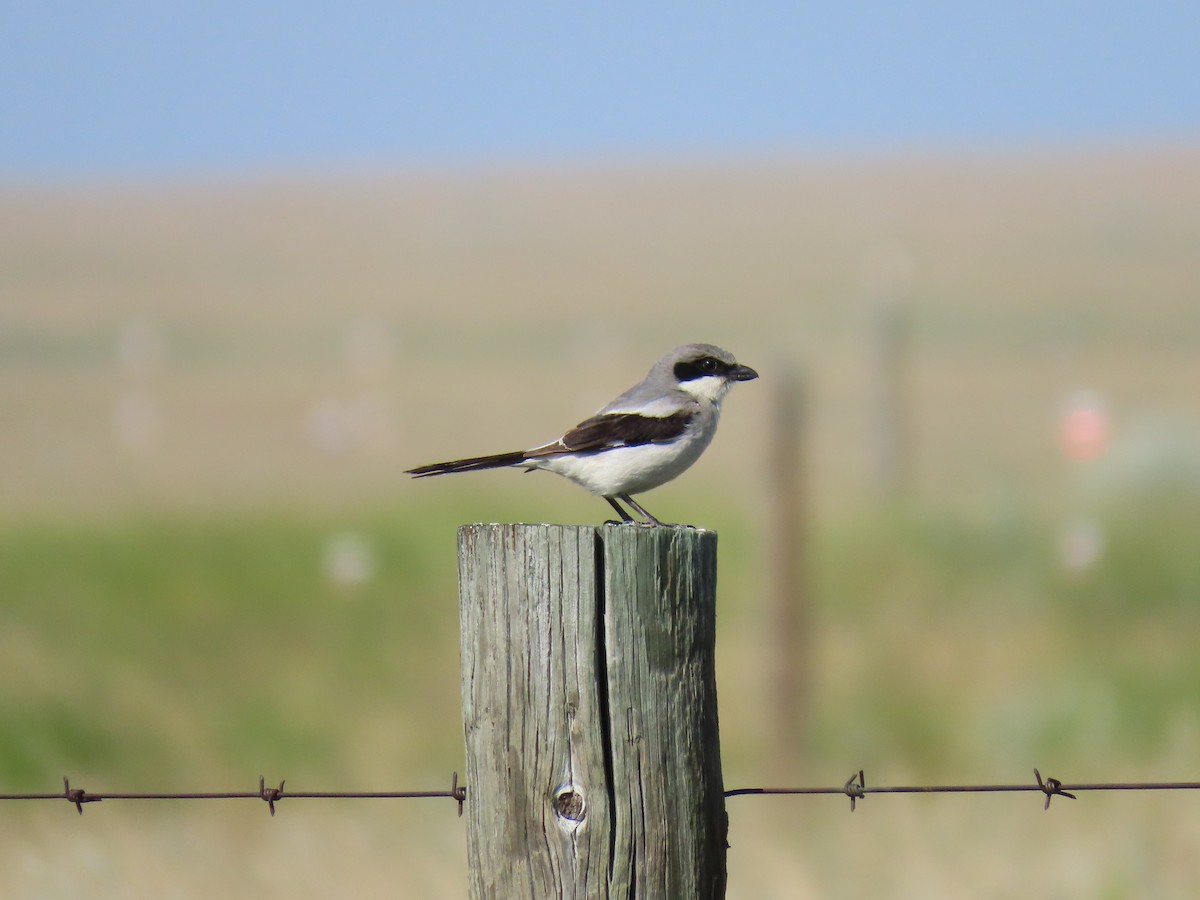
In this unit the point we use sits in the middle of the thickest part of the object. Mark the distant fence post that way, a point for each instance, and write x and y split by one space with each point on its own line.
889 277
590 712
787 644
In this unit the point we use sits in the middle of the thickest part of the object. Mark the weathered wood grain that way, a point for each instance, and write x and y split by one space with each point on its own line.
589 703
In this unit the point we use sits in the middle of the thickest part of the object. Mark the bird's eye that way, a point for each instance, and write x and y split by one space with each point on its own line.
708 364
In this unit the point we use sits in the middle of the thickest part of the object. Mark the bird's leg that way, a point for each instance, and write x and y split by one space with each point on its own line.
637 506
625 517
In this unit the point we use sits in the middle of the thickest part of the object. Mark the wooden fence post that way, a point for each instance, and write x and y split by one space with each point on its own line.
590 712
788 613
889 278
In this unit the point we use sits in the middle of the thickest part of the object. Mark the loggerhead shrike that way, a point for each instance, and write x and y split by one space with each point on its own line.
644 438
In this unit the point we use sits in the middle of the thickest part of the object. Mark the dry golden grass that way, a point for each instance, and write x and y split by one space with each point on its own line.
897 848
1030 276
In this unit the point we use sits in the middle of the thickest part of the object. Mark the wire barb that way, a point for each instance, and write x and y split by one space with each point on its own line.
78 796
855 788
270 794
1051 787
458 793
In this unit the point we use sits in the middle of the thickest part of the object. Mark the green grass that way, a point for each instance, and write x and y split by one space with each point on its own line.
215 646
140 647
951 643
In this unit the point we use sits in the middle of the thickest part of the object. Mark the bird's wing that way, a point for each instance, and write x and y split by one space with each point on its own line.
609 430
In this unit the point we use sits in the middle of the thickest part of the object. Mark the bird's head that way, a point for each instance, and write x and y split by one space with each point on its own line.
705 371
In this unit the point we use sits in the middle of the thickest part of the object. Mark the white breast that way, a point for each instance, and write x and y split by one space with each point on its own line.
631 470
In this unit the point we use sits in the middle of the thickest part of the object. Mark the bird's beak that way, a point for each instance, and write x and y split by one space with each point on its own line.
742 373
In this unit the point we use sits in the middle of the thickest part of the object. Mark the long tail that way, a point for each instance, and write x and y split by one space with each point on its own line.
474 464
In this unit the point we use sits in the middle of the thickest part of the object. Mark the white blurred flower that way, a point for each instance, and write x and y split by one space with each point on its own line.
1082 545
348 560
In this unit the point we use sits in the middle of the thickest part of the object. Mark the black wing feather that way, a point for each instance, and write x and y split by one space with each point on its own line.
610 430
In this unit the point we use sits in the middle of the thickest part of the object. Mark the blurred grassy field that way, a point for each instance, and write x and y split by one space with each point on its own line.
208 392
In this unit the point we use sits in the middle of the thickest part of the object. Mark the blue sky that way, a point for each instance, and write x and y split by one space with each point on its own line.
123 88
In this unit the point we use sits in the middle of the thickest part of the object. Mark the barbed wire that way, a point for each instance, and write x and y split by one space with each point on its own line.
855 787
271 795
